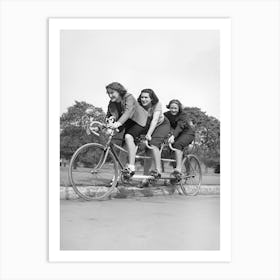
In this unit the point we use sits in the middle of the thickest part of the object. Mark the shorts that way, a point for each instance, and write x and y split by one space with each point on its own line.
160 133
183 140
133 128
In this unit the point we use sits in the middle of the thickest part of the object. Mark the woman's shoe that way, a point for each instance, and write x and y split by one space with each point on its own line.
127 173
177 175
155 174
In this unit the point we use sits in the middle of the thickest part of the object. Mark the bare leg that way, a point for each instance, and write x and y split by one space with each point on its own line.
179 158
157 159
131 148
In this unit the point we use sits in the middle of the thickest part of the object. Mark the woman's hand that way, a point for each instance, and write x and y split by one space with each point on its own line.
110 120
114 125
171 139
148 137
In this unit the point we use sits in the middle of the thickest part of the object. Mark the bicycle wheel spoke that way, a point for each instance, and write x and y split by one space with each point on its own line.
93 172
192 171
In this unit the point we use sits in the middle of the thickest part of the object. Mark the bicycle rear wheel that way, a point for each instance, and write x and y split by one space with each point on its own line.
93 172
192 175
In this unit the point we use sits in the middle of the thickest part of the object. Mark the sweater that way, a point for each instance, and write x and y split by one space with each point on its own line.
179 123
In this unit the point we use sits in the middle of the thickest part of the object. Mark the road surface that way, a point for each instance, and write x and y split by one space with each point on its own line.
146 223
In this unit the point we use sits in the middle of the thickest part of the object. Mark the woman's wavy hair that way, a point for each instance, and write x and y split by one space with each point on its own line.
117 87
153 96
176 101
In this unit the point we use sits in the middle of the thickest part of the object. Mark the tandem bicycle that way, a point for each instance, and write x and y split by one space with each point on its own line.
96 171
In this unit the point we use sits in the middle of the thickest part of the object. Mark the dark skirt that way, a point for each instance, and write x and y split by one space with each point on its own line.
160 133
129 127
183 140
133 128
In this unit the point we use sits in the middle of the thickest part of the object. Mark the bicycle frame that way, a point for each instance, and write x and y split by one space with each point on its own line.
111 146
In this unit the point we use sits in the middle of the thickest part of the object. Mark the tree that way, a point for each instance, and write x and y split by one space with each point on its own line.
207 138
72 128
74 115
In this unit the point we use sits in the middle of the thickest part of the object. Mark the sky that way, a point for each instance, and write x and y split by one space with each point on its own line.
181 64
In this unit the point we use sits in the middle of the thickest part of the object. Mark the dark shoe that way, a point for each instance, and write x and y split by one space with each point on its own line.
155 174
127 173
177 175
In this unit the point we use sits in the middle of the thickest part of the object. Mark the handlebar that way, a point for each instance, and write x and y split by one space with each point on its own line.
171 147
94 127
150 147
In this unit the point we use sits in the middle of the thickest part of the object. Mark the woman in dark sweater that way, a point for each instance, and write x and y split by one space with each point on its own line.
182 132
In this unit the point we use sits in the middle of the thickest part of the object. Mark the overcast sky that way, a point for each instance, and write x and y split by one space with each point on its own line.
175 64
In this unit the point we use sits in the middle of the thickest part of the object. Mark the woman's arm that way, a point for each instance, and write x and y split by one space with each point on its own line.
182 124
154 122
128 110
178 129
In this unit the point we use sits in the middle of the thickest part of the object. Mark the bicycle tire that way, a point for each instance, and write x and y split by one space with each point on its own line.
86 171
192 175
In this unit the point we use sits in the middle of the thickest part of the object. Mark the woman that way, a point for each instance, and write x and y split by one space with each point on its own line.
157 127
182 132
128 115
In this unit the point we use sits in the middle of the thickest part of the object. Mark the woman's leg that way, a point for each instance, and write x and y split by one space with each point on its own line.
131 148
179 159
158 136
180 143
157 158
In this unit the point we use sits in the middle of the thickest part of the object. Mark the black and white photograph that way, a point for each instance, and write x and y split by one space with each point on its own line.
140 157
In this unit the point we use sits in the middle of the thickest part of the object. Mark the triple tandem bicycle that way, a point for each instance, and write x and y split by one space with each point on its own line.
96 171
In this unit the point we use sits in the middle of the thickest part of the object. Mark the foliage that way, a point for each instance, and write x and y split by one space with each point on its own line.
207 138
72 128
74 115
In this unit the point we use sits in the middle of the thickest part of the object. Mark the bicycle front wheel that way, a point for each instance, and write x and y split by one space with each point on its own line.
192 175
93 172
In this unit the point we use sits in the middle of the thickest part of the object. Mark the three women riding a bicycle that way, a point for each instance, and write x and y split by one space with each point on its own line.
145 116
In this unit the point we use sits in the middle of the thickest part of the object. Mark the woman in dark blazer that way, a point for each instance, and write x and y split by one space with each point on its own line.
124 109
182 132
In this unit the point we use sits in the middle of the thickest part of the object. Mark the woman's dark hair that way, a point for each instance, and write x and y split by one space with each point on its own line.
117 87
176 101
152 95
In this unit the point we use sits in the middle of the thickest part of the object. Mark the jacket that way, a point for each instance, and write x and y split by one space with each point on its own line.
131 109
179 123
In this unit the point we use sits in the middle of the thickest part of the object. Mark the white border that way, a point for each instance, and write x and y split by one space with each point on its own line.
221 24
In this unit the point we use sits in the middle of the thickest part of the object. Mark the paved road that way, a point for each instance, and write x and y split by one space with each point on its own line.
146 223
